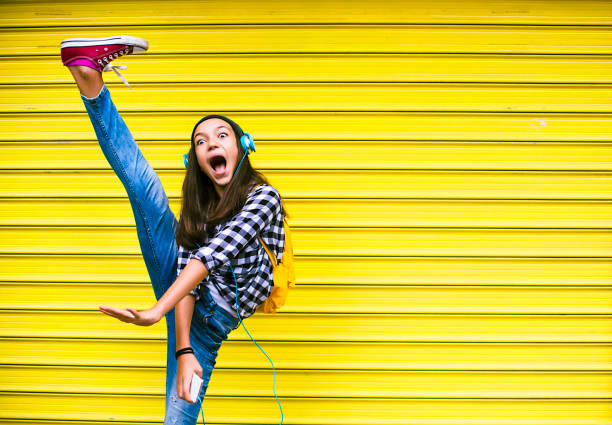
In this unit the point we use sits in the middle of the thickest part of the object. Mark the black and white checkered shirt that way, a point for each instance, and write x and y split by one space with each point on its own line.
236 241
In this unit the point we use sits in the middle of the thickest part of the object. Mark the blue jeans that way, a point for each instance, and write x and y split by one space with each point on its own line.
156 229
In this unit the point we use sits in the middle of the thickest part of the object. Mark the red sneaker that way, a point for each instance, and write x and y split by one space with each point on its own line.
98 53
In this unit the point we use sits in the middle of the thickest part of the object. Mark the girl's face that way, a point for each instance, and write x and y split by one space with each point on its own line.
217 151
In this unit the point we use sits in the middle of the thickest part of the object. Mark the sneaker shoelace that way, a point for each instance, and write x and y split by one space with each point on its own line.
112 67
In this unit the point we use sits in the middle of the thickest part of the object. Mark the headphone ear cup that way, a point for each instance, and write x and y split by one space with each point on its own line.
247 143
185 159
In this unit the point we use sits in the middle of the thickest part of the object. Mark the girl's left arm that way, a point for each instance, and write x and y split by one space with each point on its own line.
192 274
262 205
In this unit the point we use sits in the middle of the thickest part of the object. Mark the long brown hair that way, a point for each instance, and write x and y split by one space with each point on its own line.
202 209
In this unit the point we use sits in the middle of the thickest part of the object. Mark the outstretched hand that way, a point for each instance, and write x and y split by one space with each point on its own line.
129 315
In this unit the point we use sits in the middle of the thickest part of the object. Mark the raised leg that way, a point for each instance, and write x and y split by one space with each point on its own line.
155 222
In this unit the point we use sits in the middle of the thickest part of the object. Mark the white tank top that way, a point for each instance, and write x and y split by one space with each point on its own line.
220 301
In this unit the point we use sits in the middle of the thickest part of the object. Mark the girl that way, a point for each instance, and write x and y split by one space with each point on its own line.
208 270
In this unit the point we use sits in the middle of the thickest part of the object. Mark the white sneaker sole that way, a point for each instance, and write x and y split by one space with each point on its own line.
139 44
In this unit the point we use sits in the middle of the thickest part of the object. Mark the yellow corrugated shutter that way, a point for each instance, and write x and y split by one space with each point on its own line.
447 169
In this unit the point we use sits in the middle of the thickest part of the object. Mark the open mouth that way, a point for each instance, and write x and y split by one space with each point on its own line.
218 164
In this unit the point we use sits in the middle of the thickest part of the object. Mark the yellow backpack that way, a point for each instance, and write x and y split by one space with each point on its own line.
283 274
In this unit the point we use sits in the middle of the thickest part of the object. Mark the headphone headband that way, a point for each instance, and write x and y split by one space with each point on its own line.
237 130
246 141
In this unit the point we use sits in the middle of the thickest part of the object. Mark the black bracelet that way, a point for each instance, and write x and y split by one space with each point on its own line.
183 351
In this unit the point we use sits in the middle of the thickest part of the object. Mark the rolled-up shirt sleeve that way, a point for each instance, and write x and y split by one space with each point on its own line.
260 208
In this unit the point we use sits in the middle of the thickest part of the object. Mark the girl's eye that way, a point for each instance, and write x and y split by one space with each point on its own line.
203 141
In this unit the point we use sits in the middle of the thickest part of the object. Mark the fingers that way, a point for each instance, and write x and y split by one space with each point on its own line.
187 389
179 387
124 316
185 394
186 367
115 311
138 317
144 317
129 315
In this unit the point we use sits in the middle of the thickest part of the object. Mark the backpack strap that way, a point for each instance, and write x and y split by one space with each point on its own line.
270 253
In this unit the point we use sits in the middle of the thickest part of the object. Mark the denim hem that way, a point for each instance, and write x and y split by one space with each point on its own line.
98 98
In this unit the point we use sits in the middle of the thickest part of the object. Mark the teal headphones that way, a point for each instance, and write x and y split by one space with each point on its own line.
246 141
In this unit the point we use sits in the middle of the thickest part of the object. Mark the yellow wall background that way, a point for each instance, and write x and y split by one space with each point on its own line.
447 167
